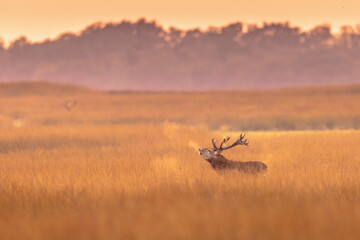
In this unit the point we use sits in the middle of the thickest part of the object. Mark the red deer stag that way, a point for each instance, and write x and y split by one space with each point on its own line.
220 163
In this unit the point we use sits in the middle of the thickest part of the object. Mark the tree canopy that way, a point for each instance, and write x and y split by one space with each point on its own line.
143 55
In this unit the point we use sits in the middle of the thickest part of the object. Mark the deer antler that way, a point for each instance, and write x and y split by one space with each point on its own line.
214 143
239 141
224 141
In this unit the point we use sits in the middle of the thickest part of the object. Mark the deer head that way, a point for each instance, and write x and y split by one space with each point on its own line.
211 153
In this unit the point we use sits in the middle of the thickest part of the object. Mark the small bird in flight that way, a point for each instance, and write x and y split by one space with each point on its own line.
70 104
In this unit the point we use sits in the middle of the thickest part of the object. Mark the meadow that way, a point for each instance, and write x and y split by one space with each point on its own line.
321 108
125 165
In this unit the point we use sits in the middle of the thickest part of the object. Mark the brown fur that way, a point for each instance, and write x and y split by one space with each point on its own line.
220 163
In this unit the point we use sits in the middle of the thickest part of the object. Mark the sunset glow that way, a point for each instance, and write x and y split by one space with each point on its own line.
40 19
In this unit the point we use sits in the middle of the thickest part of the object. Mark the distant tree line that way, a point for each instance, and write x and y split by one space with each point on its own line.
143 55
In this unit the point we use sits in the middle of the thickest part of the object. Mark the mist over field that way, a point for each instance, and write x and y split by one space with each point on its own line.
127 130
311 108
125 165
143 55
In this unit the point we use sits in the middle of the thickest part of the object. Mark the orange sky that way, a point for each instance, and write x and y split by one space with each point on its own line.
40 19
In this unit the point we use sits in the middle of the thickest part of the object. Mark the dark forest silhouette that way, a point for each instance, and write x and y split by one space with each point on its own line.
143 55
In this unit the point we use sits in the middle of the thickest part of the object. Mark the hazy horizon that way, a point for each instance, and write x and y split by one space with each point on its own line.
334 29
142 55
7 42
39 20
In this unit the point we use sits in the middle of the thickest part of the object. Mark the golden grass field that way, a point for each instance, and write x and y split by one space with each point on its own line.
92 173
288 109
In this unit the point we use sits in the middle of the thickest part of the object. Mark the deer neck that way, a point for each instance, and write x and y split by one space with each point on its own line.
219 158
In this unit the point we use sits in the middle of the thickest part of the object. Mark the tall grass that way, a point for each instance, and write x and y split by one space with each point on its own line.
146 181
288 109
